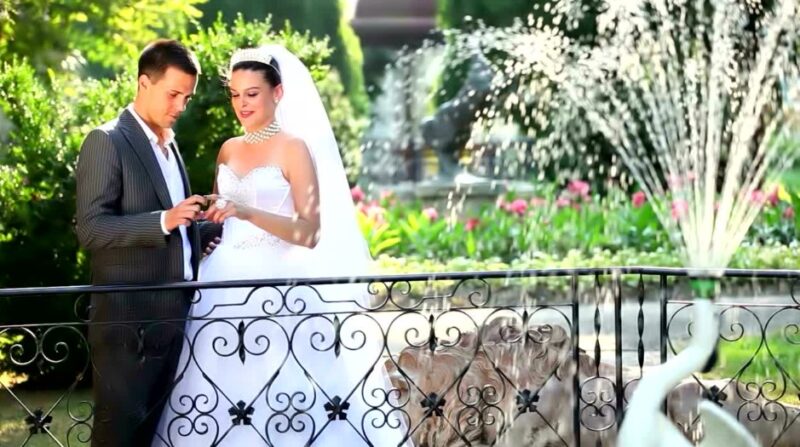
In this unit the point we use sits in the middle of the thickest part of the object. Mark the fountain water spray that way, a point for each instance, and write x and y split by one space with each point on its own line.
695 97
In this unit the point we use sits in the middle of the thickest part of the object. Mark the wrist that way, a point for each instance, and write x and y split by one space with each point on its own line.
246 213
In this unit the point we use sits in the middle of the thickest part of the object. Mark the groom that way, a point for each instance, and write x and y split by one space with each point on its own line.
137 218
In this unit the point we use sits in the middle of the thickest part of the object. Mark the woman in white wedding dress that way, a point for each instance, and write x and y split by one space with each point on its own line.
281 366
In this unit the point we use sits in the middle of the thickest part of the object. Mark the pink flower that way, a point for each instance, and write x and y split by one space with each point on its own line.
387 197
501 202
472 223
788 213
578 188
430 213
373 211
772 197
376 213
357 194
758 197
680 207
638 199
538 201
562 202
518 207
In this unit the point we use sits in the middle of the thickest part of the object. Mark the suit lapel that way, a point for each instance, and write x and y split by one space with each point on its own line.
142 148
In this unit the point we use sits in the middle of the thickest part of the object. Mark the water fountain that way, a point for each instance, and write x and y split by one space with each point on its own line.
391 141
696 123
415 149
695 98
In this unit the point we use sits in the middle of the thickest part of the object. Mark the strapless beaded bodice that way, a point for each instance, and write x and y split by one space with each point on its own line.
264 188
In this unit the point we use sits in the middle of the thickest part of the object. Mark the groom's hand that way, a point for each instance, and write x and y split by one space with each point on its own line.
212 246
184 213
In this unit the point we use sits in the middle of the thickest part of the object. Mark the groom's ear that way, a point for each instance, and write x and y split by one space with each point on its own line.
144 82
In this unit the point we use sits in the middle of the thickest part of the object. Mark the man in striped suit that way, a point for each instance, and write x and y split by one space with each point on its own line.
137 218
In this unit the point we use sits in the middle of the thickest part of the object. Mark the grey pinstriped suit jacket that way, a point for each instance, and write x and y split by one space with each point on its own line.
121 193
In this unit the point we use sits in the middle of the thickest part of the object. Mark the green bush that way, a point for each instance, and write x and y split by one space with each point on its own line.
47 124
560 224
209 119
575 219
351 58
107 34
347 125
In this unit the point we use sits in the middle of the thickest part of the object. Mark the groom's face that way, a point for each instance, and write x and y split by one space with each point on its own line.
165 97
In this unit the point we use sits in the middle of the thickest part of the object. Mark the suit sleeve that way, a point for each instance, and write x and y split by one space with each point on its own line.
99 186
208 231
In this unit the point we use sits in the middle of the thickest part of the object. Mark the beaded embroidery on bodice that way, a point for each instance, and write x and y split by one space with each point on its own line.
263 187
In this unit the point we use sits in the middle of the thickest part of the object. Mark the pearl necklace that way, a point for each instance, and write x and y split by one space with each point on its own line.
262 134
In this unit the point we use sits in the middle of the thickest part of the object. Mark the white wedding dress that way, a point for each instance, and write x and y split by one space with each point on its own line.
263 368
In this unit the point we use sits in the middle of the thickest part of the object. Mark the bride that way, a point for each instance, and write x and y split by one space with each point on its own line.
281 366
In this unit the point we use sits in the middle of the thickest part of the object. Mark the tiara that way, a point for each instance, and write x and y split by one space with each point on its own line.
250 55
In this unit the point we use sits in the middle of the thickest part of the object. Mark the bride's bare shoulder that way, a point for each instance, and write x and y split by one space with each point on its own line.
295 145
294 154
228 147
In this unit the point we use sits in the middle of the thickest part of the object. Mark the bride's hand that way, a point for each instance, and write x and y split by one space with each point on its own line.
222 209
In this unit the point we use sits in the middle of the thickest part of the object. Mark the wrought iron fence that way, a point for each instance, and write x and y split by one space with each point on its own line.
542 357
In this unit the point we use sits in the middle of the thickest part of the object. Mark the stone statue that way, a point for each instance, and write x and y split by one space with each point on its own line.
448 130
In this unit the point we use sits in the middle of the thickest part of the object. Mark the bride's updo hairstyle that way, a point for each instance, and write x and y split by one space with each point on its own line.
255 59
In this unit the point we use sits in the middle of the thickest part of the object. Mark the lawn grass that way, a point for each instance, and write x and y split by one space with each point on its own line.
14 431
791 179
779 364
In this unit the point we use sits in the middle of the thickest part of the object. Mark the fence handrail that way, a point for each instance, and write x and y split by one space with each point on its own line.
612 342
399 278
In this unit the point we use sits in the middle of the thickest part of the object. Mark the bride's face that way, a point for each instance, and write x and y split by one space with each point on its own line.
253 99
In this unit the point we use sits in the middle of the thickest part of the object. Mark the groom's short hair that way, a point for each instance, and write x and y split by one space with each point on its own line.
164 53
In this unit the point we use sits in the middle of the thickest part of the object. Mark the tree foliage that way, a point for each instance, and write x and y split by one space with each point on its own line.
105 34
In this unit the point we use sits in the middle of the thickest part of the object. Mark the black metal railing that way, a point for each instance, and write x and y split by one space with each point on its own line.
540 357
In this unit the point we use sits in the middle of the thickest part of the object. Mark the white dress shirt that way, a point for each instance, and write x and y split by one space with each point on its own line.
172 177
